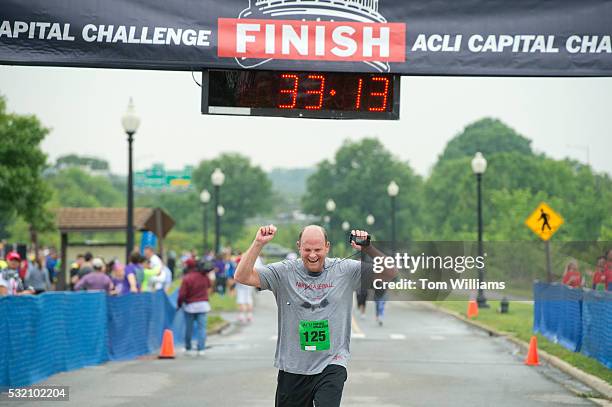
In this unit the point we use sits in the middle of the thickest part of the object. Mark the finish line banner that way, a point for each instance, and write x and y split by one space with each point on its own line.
437 37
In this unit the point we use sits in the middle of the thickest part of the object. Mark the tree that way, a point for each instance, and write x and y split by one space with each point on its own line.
357 181
76 188
489 136
73 160
22 189
245 193
513 185
183 207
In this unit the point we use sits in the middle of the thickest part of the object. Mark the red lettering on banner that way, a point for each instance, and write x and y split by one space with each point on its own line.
311 40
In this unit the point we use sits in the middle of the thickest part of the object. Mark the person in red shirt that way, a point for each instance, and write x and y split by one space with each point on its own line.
571 276
193 297
608 269
599 277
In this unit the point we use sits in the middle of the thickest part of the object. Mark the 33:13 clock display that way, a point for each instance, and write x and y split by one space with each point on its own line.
301 94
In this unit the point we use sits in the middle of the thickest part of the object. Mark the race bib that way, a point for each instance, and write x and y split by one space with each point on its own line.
314 335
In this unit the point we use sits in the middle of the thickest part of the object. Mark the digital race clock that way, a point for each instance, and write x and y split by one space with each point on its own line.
322 95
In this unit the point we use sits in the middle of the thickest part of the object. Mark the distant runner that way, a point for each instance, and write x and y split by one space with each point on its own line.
314 296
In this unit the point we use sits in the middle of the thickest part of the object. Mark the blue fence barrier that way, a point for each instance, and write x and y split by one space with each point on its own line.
558 314
581 321
597 326
51 333
60 331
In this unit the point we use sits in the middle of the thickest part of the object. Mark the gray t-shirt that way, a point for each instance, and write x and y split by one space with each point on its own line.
304 296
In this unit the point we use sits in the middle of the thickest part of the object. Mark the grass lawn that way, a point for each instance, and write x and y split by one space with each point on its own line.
519 322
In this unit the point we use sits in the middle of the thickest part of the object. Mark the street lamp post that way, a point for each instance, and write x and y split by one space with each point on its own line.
330 205
479 166
205 199
130 124
392 191
217 178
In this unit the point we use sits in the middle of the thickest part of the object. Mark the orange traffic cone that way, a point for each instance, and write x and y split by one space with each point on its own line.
472 311
167 347
532 354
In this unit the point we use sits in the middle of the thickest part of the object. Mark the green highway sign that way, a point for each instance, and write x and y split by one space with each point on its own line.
157 177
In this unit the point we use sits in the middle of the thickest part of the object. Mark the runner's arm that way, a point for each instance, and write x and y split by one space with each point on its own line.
246 272
389 273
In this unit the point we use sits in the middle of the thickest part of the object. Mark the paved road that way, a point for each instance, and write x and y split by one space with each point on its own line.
418 358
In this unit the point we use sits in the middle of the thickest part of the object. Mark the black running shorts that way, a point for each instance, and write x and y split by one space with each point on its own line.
321 390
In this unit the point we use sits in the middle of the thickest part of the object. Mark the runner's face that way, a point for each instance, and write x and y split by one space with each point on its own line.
313 250
13 264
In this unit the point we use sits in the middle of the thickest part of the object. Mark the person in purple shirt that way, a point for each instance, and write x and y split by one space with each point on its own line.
132 270
97 280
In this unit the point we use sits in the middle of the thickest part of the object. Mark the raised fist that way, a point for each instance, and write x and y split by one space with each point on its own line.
361 235
265 234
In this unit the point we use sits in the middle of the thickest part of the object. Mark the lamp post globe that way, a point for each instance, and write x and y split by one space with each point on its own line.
218 177
130 120
392 189
479 164
330 205
205 196
370 219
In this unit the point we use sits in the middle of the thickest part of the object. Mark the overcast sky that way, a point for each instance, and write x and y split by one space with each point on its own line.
83 107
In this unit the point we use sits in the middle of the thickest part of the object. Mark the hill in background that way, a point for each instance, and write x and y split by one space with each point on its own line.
290 181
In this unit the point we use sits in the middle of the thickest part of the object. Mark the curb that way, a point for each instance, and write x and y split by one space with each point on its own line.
592 381
219 329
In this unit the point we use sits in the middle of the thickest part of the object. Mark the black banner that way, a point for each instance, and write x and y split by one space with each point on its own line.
436 37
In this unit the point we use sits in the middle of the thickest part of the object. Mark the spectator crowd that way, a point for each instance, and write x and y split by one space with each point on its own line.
598 279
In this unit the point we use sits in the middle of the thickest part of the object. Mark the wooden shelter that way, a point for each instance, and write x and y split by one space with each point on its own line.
71 220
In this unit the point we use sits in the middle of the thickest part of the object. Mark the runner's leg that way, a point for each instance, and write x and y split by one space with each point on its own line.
188 329
294 390
328 390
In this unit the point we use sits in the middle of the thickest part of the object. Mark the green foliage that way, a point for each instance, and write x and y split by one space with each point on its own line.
183 207
357 181
22 189
245 193
489 136
73 160
77 189
513 185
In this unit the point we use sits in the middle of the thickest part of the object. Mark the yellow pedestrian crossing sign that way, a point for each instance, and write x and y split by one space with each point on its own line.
544 222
